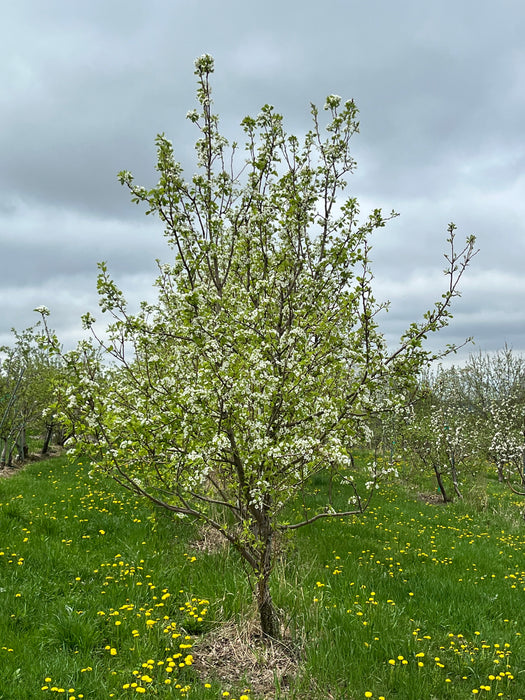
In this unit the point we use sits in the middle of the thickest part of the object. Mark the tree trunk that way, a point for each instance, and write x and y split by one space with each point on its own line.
454 475
270 626
60 436
10 448
47 440
440 484
267 614
21 445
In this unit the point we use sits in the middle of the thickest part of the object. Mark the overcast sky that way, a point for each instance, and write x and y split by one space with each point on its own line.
440 86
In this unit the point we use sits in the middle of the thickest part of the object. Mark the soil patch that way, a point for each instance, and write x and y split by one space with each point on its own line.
18 465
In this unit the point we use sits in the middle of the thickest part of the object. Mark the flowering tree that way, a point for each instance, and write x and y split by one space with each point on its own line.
443 430
27 375
494 386
506 430
260 363
491 377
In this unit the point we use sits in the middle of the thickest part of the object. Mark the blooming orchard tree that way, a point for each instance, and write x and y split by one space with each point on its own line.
443 432
260 363
506 429
27 374
492 377
494 386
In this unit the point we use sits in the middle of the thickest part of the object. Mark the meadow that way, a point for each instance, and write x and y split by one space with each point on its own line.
102 596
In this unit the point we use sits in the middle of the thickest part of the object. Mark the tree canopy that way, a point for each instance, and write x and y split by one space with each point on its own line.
262 360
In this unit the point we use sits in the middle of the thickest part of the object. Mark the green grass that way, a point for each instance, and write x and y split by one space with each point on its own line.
99 591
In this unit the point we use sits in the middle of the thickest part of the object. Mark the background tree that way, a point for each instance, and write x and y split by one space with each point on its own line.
27 375
260 363
490 377
443 432
506 432
494 386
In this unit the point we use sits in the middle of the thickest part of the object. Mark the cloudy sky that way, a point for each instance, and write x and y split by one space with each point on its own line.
440 86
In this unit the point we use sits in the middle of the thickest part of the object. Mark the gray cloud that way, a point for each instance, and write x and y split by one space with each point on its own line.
439 87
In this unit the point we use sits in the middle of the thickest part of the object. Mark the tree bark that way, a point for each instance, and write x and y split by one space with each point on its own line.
47 439
440 484
21 445
454 475
267 614
269 619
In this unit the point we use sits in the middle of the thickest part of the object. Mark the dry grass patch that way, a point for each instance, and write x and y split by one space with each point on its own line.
209 540
239 658
435 499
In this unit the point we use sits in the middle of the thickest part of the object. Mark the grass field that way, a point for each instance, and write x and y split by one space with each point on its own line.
101 596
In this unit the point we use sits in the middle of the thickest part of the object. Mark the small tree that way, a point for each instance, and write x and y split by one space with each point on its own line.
494 386
490 377
260 363
443 431
27 376
506 432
